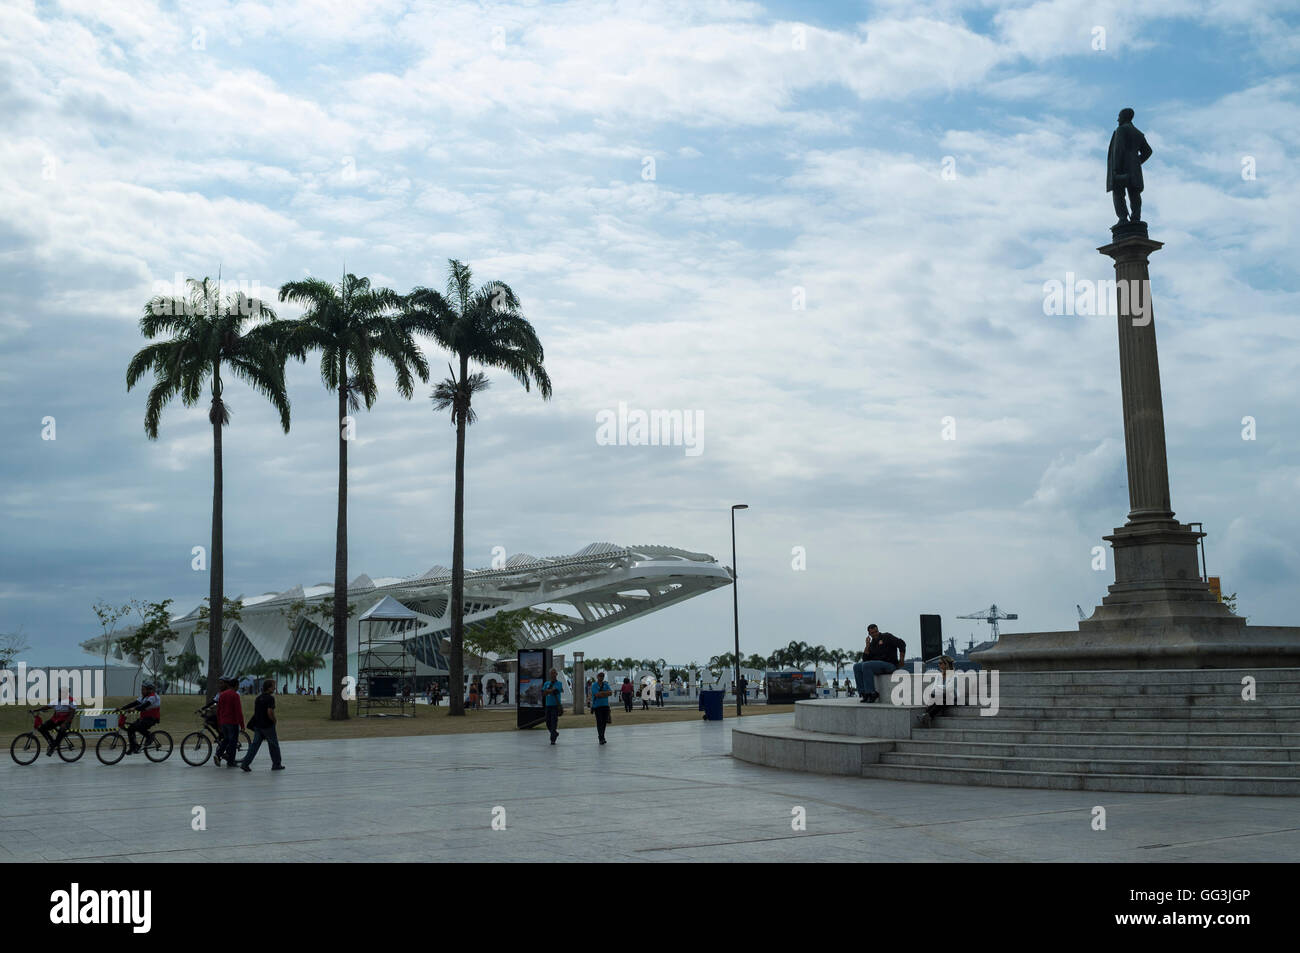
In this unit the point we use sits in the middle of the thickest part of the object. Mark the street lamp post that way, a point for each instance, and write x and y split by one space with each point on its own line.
735 596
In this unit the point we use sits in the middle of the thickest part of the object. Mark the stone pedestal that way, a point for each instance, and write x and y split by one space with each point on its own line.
1159 613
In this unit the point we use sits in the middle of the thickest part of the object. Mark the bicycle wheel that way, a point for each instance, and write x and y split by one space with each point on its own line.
196 748
26 748
111 748
245 739
159 748
72 747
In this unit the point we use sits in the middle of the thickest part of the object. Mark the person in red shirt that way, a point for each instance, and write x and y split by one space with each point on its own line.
230 718
60 723
149 705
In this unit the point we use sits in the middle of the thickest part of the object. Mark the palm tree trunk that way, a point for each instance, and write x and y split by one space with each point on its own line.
216 568
338 704
456 669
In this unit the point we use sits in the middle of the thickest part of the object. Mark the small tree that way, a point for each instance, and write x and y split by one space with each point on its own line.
12 645
1230 601
145 644
311 661
109 616
231 611
185 667
499 634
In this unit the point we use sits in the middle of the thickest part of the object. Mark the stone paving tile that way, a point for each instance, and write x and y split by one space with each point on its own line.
654 794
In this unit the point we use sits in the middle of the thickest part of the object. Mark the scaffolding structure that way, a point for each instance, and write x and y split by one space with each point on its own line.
385 662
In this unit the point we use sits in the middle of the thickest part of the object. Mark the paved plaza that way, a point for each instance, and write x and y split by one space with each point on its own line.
655 793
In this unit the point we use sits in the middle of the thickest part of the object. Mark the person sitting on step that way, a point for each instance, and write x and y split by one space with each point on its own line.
947 669
882 655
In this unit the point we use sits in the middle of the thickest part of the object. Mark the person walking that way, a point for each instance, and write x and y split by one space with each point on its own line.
659 694
230 718
551 690
600 694
263 724
627 691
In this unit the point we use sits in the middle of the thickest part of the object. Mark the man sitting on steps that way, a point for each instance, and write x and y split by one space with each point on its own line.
882 655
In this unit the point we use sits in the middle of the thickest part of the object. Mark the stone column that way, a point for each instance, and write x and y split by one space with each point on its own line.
1139 374
1156 558
1159 613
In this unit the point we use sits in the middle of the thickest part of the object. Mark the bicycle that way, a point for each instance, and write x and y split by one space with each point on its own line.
196 747
26 748
114 746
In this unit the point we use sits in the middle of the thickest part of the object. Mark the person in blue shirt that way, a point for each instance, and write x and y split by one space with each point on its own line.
551 689
600 694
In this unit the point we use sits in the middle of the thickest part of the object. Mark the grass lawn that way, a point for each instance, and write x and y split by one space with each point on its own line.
307 719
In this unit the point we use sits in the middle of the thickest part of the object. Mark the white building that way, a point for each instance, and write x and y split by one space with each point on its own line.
597 587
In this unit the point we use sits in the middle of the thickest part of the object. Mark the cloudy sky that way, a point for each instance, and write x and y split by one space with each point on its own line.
820 229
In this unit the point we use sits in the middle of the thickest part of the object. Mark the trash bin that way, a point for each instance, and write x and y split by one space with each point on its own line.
711 705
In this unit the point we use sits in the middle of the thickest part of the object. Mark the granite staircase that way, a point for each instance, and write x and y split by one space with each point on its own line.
1187 731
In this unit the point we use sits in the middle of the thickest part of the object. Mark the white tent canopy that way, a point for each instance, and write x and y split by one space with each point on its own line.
388 609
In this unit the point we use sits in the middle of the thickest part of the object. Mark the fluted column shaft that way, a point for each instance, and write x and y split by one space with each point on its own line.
1139 370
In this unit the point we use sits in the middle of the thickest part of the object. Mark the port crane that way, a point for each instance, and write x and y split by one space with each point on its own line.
992 615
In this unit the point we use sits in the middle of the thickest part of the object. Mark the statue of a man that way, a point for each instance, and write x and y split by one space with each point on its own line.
1128 150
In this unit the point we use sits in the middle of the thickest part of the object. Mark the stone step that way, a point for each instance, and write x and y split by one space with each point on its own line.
1244 712
1138 677
1208 769
998 735
1274 693
1221 700
1101 752
1070 781
793 749
1169 725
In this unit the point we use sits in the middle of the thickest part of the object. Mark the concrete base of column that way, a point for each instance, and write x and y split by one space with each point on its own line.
1157 575
1144 643
1159 614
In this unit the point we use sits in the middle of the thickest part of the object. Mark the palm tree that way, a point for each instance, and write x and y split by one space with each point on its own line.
797 653
311 661
350 324
209 331
841 658
481 325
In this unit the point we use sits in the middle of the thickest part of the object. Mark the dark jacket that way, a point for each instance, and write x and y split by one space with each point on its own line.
1128 150
887 648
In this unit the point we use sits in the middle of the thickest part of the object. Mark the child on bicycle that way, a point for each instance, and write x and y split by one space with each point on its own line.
61 721
149 705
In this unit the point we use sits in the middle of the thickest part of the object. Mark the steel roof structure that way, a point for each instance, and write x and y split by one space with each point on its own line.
600 586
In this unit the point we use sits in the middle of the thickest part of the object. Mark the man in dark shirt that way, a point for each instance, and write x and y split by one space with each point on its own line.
263 725
882 654
551 691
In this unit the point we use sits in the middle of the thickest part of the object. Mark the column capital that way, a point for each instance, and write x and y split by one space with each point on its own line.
1131 248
